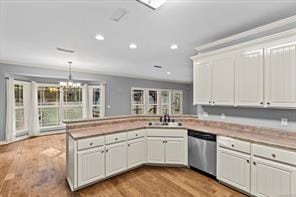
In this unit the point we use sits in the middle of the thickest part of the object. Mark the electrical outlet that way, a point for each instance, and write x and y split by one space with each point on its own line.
223 116
284 121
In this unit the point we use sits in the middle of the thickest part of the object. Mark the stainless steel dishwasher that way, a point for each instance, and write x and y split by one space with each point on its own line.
202 151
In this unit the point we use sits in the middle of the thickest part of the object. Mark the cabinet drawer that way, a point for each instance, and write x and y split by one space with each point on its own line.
135 134
275 154
234 144
118 137
90 142
167 132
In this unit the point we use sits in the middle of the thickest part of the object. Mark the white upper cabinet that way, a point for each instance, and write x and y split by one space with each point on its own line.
249 78
280 75
223 80
202 88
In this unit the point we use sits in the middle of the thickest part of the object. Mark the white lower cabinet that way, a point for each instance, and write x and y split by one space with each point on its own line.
174 151
165 150
256 169
116 158
234 169
273 179
91 165
136 152
155 150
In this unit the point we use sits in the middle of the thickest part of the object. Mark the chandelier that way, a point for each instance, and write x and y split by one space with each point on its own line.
69 85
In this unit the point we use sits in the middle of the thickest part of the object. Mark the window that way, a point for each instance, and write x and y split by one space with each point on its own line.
156 101
96 101
21 95
72 104
49 106
138 101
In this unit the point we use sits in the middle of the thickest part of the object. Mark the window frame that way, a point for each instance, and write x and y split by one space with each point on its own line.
102 100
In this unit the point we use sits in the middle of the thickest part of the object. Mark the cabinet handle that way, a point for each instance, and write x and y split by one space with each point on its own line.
102 151
268 103
91 144
261 103
273 155
116 138
213 102
128 145
136 134
254 163
248 161
210 101
163 141
107 150
232 145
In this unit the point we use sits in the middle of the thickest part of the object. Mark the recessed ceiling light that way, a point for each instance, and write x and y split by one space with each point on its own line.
174 46
132 46
168 73
154 4
100 37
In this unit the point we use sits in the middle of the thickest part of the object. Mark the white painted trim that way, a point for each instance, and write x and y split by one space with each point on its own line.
251 32
251 43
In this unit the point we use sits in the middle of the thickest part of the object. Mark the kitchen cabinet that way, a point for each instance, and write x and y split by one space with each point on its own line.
116 158
202 86
223 80
155 150
249 79
91 165
234 168
174 150
280 73
165 150
136 152
272 179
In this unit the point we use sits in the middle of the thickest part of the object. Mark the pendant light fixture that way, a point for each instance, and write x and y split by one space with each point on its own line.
70 84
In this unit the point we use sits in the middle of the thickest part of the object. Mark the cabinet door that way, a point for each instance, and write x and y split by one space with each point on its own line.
91 165
272 179
281 76
174 151
136 152
155 150
249 79
234 169
116 158
223 80
202 83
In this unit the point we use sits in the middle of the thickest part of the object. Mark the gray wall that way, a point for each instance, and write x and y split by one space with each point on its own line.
250 116
117 88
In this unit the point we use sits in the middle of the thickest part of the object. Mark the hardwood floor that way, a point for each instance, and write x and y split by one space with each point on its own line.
36 167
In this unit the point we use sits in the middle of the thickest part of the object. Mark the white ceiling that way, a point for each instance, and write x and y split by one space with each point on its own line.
31 31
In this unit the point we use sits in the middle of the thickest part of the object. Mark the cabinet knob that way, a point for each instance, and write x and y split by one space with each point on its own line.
136 134
102 151
232 145
248 161
214 102
268 103
128 145
254 163
116 138
273 155
210 101
261 103
107 150
91 144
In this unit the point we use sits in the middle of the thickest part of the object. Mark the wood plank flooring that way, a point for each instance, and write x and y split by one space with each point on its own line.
36 167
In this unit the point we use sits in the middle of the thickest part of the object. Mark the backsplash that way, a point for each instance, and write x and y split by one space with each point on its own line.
272 118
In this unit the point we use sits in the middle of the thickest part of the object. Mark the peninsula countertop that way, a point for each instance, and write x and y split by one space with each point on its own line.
95 127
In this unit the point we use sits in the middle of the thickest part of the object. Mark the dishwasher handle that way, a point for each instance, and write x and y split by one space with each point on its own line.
202 135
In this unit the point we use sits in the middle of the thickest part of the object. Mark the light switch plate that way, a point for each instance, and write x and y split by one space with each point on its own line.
284 121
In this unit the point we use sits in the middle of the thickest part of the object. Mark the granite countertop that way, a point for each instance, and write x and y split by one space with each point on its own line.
273 137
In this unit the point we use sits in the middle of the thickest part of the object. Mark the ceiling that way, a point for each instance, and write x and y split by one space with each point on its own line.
31 31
